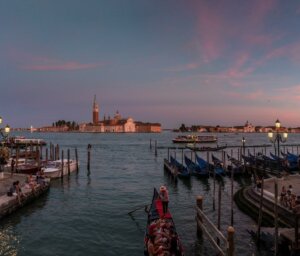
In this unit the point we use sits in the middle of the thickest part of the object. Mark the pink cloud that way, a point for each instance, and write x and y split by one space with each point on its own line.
210 31
290 51
215 30
72 65
28 61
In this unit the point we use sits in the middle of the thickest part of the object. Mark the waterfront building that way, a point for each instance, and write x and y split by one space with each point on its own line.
116 124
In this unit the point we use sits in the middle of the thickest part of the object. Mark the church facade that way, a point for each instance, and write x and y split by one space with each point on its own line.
117 124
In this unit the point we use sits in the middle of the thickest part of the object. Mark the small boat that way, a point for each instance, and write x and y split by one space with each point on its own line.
195 139
196 169
289 160
218 166
52 169
156 218
203 164
236 167
182 171
27 169
193 147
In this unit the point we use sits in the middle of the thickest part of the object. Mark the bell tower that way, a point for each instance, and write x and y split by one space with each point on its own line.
95 112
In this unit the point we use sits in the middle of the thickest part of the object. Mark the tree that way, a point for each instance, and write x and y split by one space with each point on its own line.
183 128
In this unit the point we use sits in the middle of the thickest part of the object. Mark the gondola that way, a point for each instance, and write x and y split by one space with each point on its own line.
169 236
183 172
218 166
204 149
236 167
196 169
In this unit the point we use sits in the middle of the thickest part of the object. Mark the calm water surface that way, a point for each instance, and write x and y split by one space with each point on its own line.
88 214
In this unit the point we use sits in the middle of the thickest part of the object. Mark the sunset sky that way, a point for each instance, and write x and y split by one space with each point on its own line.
212 62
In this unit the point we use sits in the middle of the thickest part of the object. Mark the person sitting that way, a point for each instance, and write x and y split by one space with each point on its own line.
40 179
293 201
258 183
283 196
18 191
290 189
12 189
152 249
30 182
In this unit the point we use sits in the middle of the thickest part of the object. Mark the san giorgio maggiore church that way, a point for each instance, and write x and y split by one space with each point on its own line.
116 124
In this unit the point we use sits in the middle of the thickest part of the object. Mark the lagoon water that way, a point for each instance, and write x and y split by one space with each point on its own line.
88 214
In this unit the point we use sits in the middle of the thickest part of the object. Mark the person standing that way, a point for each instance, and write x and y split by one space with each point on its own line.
164 195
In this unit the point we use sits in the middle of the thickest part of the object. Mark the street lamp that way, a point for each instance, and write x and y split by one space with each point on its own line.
277 137
243 144
6 130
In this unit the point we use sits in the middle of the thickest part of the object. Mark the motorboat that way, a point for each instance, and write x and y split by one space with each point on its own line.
53 169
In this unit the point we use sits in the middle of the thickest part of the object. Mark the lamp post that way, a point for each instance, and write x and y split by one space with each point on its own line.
243 144
277 137
3 151
6 130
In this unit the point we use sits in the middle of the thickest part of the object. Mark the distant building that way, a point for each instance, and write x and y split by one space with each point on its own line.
248 127
63 128
116 124
95 112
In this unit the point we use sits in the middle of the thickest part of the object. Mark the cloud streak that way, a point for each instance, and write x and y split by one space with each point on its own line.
61 66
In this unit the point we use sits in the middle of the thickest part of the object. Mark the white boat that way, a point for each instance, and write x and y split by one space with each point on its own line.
53 168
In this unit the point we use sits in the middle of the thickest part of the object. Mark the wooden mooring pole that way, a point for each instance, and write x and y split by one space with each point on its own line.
214 191
155 147
260 211
276 216
231 195
219 212
76 157
199 203
89 157
150 144
68 152
46 155
230 239
62 164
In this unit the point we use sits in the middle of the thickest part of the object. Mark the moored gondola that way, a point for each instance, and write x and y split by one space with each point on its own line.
160 232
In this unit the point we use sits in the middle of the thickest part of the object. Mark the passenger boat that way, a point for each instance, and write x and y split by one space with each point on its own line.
195 139
23 142
52 169
166 232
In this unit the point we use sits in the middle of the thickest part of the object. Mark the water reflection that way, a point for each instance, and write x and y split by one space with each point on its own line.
9 242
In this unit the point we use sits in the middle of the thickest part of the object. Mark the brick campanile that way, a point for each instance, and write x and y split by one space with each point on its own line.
95 112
